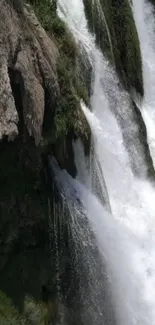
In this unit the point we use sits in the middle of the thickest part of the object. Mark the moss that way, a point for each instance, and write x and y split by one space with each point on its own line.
71 92
97 22
8 313
124 40
71 87
37 313
69 121
34 313
128 56
44 10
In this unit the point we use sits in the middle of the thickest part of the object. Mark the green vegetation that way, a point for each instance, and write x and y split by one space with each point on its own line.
34 313
127 53
8 313
72 86
97 21
125 50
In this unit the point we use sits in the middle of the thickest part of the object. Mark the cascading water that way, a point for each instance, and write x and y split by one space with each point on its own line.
126 235
86 262
144 18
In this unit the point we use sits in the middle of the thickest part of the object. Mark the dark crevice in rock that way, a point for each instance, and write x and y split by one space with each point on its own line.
49 114
63 151
15 54
18 5
17 86
24 245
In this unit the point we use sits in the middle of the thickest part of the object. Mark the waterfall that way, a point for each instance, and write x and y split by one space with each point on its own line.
124 235
144 18
86 262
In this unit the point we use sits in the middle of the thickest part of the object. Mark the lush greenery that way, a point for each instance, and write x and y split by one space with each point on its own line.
72 86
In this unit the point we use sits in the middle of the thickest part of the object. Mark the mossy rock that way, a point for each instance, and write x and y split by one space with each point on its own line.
24 200
97 22
38 313
73 80
124 49
34 313
8 313
128 58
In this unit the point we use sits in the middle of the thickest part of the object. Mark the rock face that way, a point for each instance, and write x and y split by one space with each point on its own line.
27 71
116 34
27 53
41 85
8 115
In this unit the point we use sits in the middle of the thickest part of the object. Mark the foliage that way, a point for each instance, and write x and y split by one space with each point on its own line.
71 87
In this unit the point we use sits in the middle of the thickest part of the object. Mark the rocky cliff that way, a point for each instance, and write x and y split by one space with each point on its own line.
43 77
41 84
28 58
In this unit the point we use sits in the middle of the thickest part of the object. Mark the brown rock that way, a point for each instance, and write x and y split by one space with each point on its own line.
26 50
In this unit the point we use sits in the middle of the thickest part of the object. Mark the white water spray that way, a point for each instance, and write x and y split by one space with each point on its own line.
125 238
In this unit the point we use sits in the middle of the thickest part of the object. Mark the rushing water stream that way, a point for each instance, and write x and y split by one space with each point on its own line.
125 233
